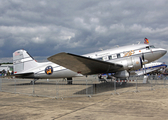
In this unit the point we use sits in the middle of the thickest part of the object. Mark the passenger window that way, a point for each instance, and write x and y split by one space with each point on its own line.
118 56
105 58
100 58
110 57
114 56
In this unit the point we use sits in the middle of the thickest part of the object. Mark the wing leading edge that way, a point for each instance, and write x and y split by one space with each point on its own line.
84 65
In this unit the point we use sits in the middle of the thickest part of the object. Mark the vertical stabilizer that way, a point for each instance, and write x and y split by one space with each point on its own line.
22 61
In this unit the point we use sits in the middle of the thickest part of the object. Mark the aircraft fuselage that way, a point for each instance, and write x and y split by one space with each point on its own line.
117 55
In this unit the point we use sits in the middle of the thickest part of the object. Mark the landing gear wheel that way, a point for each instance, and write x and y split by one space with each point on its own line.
69 81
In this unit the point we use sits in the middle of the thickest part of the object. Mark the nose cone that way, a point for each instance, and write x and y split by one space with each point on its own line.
163 52
156 54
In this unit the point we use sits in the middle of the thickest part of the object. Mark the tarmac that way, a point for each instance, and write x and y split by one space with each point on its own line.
146 105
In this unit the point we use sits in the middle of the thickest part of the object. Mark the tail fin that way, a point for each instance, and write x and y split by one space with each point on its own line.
22 61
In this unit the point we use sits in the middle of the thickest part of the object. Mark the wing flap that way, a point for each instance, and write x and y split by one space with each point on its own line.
84 65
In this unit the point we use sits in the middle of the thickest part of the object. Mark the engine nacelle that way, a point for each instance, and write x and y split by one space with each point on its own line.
131 63
122 74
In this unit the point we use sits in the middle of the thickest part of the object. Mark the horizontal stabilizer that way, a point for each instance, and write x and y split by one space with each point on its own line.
84 65
24 75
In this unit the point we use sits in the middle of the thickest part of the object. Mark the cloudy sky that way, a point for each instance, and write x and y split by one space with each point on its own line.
47 27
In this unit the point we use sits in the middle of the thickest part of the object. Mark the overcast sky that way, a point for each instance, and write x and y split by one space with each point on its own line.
47 27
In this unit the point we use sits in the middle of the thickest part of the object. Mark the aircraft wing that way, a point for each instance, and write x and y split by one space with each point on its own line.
84 65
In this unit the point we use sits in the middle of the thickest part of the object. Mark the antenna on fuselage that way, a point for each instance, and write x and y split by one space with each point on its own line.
139 42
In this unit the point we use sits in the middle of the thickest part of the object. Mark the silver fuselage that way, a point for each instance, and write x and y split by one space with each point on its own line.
115 55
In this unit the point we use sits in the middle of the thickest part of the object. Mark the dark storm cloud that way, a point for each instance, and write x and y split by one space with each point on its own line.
47 27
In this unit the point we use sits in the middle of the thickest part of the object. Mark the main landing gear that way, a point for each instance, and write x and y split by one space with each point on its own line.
69 81
33 81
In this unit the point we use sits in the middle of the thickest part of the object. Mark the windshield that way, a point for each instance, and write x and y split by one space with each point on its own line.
151 46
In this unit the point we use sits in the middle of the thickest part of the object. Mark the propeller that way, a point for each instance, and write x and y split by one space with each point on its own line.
143 59
144 62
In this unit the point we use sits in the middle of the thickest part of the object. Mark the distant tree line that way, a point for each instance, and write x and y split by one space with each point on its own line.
6 63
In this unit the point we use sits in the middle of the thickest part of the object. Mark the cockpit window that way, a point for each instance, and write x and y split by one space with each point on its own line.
151 46
147 47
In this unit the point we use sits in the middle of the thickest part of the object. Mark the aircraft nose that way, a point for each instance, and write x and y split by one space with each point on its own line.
163 52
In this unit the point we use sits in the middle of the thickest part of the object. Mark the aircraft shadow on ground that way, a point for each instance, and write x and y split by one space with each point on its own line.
90 88
104 87
109 86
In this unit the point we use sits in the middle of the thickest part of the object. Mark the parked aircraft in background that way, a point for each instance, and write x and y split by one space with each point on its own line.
164 71
150 68
119 60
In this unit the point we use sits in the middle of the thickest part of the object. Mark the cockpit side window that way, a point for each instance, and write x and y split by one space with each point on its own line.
147 48
151 46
